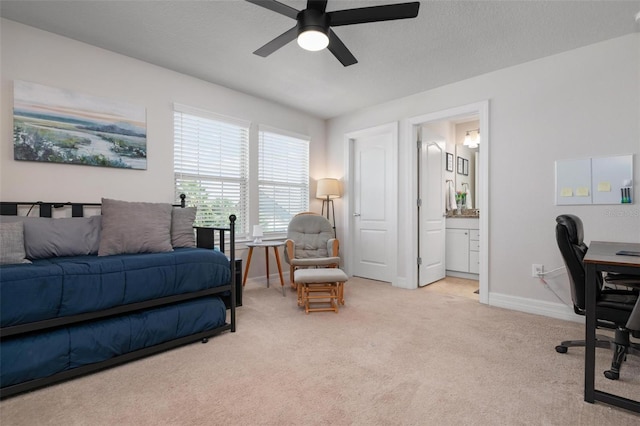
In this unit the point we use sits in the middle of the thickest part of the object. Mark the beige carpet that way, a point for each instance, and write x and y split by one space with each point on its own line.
390 357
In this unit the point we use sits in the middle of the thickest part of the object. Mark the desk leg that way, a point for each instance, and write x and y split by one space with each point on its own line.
590 348
275 249
246 268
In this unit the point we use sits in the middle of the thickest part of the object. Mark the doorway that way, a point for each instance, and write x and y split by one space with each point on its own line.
422 245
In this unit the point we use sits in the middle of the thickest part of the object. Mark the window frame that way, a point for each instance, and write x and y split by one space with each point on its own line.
305 187
251 208
243 180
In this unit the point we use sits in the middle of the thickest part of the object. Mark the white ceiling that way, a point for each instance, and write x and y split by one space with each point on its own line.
449 41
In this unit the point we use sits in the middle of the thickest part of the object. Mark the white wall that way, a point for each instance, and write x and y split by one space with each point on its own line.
36 56
577 104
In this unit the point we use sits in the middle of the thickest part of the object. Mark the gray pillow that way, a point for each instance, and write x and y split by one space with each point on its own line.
135 227
12 243
46 237
182 234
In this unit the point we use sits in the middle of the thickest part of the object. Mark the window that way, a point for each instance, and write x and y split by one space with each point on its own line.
225 167
211 166
283 179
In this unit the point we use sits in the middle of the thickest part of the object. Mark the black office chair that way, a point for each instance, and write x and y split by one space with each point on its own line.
613 306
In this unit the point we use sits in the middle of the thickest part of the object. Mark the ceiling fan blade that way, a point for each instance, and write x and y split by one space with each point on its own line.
277 7
319 5
277 42
340 51
374 14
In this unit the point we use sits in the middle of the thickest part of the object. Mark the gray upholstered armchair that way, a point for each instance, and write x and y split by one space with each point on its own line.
310 243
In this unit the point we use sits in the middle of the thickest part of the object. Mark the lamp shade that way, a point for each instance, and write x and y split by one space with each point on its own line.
328 188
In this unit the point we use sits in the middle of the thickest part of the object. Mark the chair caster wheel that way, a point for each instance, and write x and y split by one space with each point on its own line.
205 340
561 349
611 375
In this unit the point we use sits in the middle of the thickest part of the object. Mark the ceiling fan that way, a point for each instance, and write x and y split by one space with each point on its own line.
313 27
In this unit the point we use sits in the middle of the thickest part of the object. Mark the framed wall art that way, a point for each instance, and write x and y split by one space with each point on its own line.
460 168
449 164
62 126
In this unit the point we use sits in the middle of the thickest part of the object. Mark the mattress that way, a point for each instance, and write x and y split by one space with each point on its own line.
59 287
39 355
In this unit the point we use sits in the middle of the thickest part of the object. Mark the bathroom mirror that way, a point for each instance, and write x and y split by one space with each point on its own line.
466 160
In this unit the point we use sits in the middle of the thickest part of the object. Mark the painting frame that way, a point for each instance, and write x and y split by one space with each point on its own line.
460 166
465 167
55 125
449 163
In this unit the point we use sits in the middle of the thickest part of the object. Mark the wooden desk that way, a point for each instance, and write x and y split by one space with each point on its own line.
266 245
601 257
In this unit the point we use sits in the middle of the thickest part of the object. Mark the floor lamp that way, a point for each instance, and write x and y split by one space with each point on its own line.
327 190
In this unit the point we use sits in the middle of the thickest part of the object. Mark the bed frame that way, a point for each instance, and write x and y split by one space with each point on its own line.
206 237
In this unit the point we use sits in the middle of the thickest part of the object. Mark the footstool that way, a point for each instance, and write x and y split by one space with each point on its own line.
320 286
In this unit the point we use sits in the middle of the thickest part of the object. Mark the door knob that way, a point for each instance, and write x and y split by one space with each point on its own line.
356 215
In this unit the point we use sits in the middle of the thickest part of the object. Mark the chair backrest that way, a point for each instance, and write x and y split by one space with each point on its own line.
569 236
311 232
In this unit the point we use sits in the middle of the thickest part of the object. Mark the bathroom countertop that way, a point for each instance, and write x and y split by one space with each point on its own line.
465 215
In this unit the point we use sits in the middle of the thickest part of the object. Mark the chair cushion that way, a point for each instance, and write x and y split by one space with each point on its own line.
319 275
310 233
316 261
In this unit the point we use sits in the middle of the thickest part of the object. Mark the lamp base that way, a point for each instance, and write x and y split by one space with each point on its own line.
328 202
257 240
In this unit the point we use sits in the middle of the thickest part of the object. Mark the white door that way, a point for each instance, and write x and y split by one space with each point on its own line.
374 203
431 246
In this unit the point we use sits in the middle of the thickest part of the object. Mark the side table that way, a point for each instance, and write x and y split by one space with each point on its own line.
266 245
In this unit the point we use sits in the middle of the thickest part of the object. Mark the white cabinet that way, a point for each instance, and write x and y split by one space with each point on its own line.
462 249
457 250
474 251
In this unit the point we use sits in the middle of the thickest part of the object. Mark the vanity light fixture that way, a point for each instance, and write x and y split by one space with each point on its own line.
472 141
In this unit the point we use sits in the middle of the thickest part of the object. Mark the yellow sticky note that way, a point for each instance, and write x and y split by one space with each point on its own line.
566 192
604 187
582 191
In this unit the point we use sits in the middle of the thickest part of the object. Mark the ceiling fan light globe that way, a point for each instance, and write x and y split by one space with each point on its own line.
313 40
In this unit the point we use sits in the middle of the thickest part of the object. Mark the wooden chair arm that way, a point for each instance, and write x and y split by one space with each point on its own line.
333 247
289 250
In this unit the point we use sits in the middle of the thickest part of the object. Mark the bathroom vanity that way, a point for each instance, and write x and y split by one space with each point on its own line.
462 258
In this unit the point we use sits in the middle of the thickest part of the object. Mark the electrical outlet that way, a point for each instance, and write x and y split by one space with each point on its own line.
537 270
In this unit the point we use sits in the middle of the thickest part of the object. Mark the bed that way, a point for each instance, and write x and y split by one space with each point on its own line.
65 316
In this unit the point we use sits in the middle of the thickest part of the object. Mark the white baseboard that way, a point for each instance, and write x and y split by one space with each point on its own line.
465 275
533 306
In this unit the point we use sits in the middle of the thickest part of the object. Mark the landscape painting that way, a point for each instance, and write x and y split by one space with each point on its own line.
62 126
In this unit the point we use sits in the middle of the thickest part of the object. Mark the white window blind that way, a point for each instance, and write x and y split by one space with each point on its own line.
211 166
283 179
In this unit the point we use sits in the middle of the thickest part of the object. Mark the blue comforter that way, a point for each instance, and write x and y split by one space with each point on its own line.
58 287
41 355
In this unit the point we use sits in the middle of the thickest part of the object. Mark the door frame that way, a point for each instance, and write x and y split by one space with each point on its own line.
348 211
410 127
